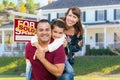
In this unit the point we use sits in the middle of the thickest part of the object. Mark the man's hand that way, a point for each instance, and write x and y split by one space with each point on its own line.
39 48
40 54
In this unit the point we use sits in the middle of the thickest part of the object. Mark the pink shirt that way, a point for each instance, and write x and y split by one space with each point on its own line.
39 72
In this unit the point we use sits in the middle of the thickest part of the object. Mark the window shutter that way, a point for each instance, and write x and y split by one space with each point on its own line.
49 16
96 15
57 15
105 15
114 14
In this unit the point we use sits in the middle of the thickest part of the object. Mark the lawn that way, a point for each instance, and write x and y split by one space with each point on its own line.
76 78
97 65
86 68
11 77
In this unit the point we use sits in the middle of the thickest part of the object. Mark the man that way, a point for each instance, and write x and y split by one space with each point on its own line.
50 65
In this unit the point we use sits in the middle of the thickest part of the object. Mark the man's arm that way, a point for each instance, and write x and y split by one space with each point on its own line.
55 69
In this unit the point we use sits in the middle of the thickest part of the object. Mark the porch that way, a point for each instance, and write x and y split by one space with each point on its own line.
103 35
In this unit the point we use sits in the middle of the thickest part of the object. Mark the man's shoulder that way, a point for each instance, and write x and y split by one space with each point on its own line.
60 49
28 45
51 40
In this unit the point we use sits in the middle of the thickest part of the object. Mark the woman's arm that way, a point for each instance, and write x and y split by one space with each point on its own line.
76 43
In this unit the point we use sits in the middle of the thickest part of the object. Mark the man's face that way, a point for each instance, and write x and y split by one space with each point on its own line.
57 32
44 32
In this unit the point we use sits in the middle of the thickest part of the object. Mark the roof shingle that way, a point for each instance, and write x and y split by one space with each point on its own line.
80 3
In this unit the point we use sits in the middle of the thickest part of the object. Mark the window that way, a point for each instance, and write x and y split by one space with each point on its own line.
8 37
60 15
116 37
0 37
100 15
47 16
83 16
116 14
99 39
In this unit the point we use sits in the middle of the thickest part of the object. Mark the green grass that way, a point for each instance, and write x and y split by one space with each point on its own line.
97 65
12 65
11 77
86 68
76 78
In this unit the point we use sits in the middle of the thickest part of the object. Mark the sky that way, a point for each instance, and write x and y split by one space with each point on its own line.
42 2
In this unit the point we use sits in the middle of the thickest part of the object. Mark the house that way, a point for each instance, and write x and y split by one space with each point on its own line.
100 17
9 47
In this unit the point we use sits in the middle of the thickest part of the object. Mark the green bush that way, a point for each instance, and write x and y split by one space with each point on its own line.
100 52
12 65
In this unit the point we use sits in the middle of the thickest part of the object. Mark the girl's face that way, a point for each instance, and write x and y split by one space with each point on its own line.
57 32
71 19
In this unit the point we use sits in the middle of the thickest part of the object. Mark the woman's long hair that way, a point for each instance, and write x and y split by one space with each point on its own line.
78 26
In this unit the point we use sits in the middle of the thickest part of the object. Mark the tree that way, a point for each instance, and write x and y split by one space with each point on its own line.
1 7
22 7
37 5
12 4
30 6
5 2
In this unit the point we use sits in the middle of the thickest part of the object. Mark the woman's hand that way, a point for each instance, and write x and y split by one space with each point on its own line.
65 43
80 43
68 39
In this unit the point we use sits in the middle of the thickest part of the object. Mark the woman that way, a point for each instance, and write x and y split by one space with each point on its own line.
74 32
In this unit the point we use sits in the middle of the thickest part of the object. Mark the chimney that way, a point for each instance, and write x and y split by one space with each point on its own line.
50 1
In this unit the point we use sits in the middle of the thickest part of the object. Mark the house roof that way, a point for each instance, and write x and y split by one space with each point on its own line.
9 25
80 3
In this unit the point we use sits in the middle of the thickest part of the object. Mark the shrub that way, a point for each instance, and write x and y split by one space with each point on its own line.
100 52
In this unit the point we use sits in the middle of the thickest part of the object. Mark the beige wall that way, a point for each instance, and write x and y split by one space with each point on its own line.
90 39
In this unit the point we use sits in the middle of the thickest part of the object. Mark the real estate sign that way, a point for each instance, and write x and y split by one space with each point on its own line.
24 29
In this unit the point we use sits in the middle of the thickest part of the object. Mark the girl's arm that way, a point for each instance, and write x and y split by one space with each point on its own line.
56 43
51 47
34 42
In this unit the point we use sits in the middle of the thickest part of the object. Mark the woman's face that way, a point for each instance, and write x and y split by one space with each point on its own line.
71 19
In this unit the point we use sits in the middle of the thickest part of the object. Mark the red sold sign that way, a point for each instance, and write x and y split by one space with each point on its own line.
24 29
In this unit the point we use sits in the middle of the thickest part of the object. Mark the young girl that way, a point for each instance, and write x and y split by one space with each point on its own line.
59 39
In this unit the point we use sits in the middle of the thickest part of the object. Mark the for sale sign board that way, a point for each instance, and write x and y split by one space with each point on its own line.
24 29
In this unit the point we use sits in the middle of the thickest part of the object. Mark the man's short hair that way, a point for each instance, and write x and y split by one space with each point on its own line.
42 21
